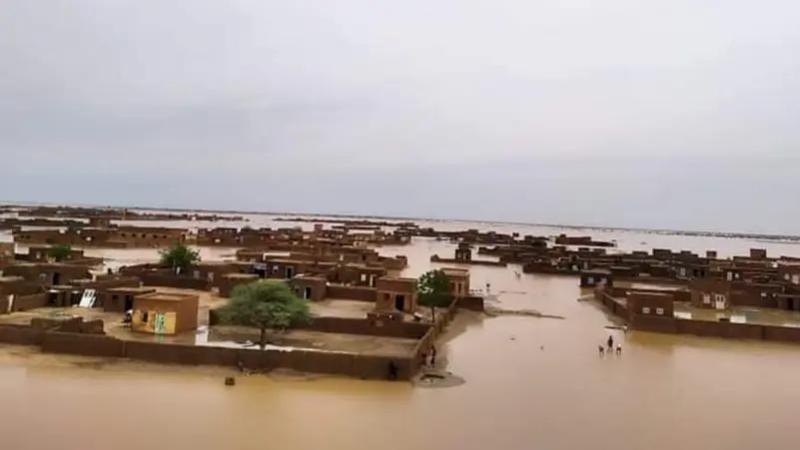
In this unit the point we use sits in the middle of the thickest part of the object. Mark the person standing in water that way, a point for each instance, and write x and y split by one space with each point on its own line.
610 343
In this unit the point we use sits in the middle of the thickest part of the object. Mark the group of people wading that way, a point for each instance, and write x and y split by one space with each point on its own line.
610 342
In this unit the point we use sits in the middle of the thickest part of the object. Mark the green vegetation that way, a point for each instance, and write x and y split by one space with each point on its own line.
433 290
59 252
265 304
179 257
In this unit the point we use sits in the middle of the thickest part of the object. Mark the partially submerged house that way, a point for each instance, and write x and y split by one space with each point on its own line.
459 281
396 294
710 293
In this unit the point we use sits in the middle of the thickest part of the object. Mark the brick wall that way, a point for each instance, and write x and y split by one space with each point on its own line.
387 328
366 294
82 344
174 281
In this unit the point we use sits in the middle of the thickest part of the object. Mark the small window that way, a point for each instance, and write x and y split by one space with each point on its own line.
646 310
660 311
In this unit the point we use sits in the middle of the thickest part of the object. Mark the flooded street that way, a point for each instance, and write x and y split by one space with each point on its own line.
530 383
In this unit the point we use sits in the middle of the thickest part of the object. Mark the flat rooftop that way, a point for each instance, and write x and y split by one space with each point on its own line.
649 286
168 297
740 314
134 289
241 275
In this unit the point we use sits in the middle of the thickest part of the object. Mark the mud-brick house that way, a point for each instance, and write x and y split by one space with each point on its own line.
396 294
283 268
48 274
651 311
733 274
37 253
100 222
651 304
459 281
357 274
596 277
463 252
213 270
309 287
75 256
18 294
137 237
789 301
121 299
749 293
690 269
710 293
662 253
251 255
397 263
226 283
789 272
164 313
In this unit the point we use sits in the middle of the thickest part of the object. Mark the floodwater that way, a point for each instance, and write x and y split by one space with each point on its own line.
530 383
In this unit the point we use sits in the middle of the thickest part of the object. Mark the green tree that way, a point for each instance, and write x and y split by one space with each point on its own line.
59 252
265 304
433 290
180 257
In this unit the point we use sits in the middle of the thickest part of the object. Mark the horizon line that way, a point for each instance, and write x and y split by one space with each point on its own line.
707 233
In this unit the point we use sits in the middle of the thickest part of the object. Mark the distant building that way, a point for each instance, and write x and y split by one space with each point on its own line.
463 252
596 277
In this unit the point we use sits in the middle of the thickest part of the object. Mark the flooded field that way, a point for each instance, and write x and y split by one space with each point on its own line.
530 383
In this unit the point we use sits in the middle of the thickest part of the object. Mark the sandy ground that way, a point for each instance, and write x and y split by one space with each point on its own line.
308 339
351 309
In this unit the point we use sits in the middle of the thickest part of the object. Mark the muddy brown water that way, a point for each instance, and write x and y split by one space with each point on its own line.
530 383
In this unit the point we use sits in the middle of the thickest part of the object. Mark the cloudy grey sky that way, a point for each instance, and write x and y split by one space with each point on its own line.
659 113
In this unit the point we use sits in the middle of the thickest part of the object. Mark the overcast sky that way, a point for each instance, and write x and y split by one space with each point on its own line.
667 114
